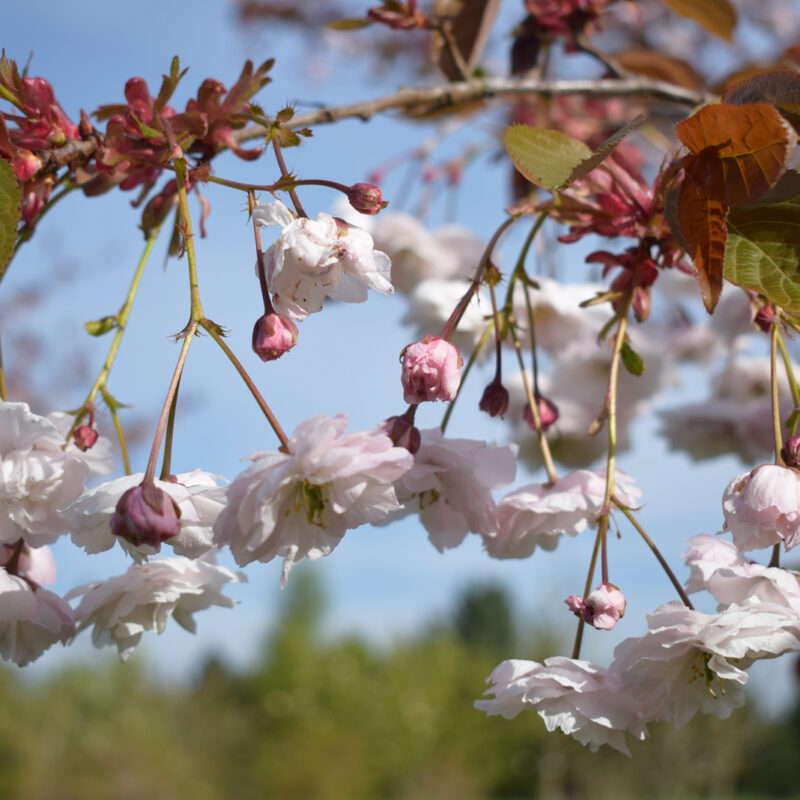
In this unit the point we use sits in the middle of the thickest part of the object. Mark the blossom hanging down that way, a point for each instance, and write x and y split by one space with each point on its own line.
122 608
299 504
196 495
538 514
451 483
314 259
37 478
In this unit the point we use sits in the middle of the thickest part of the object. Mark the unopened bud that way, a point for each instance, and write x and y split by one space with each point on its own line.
641 303
84 437
273 335
403 433
765 318
431 370
495 399
146 515
366 198
548 413
790 452
603 608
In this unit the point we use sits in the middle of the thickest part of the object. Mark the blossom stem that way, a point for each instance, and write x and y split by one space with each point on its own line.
188 237
123 445
121 323
278 185
657 553
262 278
773 382
461 306
794 387
188 335
473 356
547 457
576 647
12 565
166 461
285 172
214 330
775 558
603 530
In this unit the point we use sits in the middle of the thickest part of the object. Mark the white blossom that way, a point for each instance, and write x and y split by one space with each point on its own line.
538 514
122 608
31 619
576 697
451 483
197 494
37 478
314 259
299 504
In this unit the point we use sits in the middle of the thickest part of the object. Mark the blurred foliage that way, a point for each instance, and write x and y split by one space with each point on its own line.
324 720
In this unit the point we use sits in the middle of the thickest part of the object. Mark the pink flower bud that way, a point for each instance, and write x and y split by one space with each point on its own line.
790 452
548 413
431 370
147 515
273 335
495 399
402 432
603 608
366 198
84 437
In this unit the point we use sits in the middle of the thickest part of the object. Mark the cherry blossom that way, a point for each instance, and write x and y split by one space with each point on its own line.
313 259
197 495
574 696
451 483
762 507
538 514
122 608
32 619
431 370
299 504
34 563
602 608
37 478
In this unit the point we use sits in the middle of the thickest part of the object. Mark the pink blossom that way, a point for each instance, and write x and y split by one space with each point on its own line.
122 608
273 335
299 504
536 515
577 697
603 608
313 259
431 370
31 619
366 198
452 482
720 568
762 508
34 563
146 515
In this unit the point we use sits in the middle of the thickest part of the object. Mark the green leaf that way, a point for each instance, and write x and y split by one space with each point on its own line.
545 157
97 327
763 251
10 206
284 115
632 361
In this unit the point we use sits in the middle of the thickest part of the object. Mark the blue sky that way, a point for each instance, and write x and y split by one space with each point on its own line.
381 582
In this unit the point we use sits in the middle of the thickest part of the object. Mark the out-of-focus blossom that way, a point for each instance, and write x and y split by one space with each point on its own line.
314 259
31 619
494 400
431 370
538 514
122 608
602 608
300 503
37 478
451 483
762 508
447 254
34 563
721 569
195 493
576 697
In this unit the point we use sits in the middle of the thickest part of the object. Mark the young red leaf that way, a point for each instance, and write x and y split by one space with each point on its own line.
738 151
702 222
780 87
716 16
